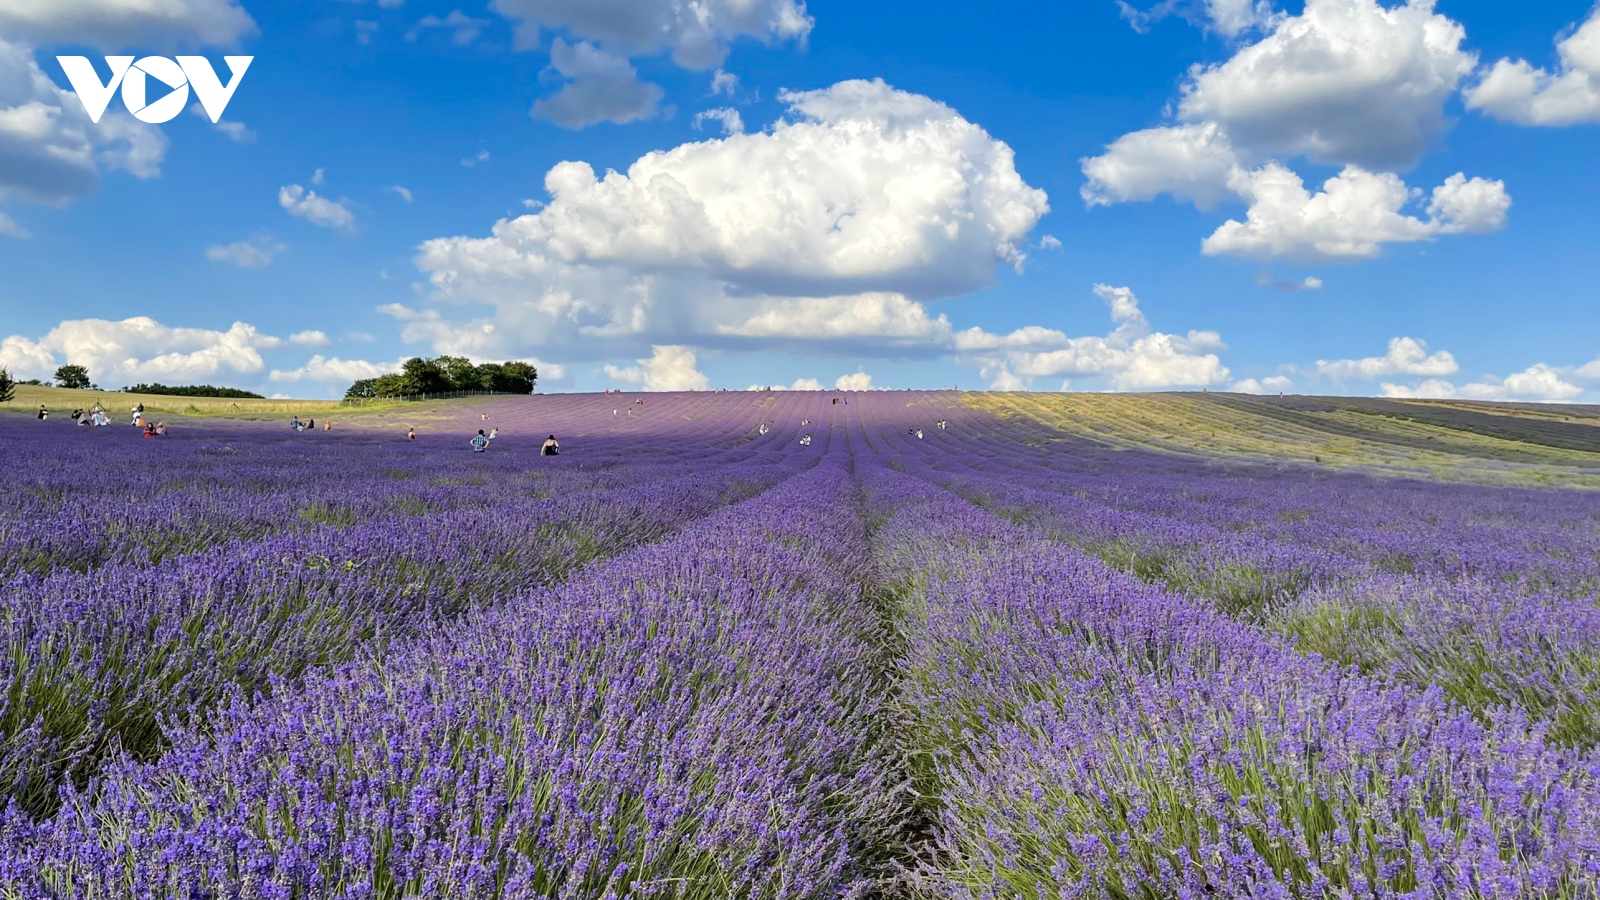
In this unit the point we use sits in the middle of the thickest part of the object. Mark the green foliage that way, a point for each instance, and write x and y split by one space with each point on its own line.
73 377
446 374
192 390
8 387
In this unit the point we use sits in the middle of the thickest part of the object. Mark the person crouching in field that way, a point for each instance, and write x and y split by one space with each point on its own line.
550 447
480 442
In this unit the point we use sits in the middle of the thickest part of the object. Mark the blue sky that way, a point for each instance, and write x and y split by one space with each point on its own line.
1219 194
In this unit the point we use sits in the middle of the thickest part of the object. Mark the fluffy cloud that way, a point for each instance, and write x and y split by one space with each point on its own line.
1347 81
140 349
256 253
49 150
1539 383
316 209
727 116
26 359
334 370
600 87
800 384
1276 384
1352 217
1228 18
697 34
1432 389
885 320
1189 162
1406 356
309 339
117 24
863 200
1132 357
855 381
670 368
1515 91
724 83
1589 370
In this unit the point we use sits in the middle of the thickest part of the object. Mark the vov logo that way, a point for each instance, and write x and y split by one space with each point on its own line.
133 78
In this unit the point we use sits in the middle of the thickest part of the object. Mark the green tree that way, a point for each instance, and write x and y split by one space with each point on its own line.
508 377
365 389
74 377
460 371
425 376
8 388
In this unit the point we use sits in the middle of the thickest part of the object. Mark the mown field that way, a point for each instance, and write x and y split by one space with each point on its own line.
1065 646
61 402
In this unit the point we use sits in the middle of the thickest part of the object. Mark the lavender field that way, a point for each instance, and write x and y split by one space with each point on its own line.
696 657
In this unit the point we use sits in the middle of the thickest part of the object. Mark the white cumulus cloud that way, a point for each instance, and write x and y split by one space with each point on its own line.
697 34
115 25
49 150
1539 383
1228 18
334 370
1275 384
1347 81
727 117
1515 91
862 192
1406 356
1189 162
1131 357
140 349
855 381
1354 215
600 87
314 208
669 368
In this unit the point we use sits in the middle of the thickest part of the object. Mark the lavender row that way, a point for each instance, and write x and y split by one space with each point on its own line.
696 718
1094 736
96 663
1485 636
139 504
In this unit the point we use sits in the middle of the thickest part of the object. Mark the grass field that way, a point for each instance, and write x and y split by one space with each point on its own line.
61 402
1501 442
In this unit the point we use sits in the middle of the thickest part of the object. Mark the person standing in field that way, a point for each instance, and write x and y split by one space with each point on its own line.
550 447
480 443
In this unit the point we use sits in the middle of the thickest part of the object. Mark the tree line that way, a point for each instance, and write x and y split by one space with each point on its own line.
446 374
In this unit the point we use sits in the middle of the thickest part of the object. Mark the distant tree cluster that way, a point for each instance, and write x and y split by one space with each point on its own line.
8 388
192 390
445 374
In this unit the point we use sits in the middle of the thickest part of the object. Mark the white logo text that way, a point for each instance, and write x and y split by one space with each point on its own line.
179 75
